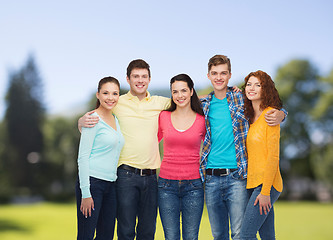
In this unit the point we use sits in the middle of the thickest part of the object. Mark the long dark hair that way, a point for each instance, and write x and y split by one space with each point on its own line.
102 82
269 94
195 102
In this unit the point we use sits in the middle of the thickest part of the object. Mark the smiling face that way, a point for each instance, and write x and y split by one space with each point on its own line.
219 76
139 80
108 95
181 94
253 89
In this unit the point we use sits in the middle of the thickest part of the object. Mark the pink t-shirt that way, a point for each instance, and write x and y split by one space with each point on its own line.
181 159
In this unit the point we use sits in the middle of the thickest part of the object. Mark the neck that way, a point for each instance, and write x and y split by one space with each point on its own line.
256 107
183 110
221 94
139 96
103 111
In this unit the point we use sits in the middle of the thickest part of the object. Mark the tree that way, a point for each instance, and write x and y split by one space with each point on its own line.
60 165
297 82
322 113
24 118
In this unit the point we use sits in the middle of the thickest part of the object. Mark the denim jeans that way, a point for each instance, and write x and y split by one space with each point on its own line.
103 217
254 222
226 197
136 198
180 196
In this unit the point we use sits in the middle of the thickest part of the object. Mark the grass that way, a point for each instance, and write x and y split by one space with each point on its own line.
294 220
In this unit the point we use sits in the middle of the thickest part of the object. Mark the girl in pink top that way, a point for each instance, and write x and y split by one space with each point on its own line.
180 190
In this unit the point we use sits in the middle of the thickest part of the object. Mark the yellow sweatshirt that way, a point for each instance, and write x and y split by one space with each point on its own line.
263 145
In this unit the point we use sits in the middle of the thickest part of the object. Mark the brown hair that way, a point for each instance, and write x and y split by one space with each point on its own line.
102 82
138 63
217 60
269 94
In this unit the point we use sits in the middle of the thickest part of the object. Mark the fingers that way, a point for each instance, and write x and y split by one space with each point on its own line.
87 206
91 208
84 211
271 117
265 209
89 211
89 113
256 201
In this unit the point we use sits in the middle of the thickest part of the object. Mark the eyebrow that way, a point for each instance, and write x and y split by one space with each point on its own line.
180 89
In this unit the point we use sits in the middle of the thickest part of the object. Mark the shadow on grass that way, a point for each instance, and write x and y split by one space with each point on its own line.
6 225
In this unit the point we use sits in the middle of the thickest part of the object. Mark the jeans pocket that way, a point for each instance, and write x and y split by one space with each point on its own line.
162 183
196 184
208 178
94 181
235 175
124 174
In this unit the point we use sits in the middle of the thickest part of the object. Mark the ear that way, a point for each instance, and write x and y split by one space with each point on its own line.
128 80
97 95
192 92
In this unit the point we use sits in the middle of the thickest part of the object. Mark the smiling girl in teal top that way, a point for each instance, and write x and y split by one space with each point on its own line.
99 152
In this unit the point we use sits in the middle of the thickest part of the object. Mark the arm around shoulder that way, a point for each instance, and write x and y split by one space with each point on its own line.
87 120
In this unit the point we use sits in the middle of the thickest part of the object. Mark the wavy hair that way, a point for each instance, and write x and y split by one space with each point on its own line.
195 102
269 94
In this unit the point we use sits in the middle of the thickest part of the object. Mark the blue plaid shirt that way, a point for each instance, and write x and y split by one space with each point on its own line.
240 127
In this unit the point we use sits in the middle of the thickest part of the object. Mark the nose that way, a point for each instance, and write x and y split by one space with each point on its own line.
179 94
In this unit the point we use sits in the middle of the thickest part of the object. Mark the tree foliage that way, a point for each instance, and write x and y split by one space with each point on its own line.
322 113
297 82
307 134
24 118
61 148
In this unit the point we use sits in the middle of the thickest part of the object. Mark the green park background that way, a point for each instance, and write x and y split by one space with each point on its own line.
38 167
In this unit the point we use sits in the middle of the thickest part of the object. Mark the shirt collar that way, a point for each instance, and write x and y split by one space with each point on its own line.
130 96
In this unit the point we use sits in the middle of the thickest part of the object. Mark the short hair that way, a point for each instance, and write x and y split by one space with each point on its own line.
102 82
217 60
138 63
269 94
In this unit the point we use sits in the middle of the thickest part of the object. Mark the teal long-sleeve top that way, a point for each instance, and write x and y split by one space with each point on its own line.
99 152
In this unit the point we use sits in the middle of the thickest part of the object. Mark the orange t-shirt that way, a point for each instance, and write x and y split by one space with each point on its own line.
263 145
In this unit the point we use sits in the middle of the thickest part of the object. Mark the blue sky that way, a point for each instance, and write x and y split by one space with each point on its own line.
76 43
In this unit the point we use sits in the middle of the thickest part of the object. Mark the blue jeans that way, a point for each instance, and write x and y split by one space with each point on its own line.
180 196
254 222
136 198
103 217
226 197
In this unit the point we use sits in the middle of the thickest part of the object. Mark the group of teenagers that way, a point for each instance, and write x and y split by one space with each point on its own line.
222 148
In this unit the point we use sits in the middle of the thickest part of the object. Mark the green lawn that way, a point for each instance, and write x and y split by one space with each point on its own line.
48 221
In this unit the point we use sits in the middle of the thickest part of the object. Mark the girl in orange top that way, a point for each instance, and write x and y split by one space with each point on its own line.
264 181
